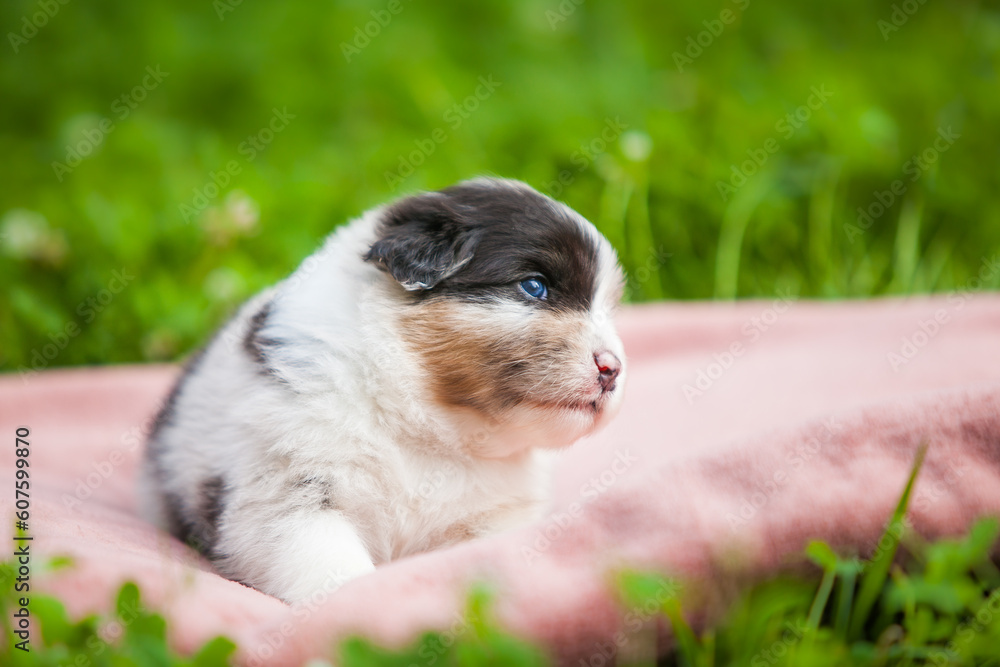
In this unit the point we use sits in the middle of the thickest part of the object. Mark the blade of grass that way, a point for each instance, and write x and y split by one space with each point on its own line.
614 204
820 237
687 642
848 578
822 597
878 568
907 251
640 235
734 227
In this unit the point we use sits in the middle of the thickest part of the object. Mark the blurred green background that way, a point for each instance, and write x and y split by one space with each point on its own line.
665 123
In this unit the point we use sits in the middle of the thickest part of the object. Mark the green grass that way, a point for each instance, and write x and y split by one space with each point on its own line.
653 187
133 637
939 604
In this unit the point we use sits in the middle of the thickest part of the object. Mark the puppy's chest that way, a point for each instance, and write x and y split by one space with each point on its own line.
445 504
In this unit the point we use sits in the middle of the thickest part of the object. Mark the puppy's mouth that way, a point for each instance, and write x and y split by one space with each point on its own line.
590 406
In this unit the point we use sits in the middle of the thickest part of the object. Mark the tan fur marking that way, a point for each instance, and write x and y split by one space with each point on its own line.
474 362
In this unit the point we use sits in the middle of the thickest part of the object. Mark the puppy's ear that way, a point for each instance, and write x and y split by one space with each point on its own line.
423 240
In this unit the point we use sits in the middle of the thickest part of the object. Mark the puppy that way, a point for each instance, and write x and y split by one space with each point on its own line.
397 393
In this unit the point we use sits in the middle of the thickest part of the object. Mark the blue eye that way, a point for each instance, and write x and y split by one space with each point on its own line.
535 287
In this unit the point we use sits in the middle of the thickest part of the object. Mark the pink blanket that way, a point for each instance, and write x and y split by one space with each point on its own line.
747 430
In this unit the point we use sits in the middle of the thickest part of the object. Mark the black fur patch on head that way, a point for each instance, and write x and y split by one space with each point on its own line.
478 240
423 240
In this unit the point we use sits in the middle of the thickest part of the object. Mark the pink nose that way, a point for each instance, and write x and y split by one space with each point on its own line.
608 368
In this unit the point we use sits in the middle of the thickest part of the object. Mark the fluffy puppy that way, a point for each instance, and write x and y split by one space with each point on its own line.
397 393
